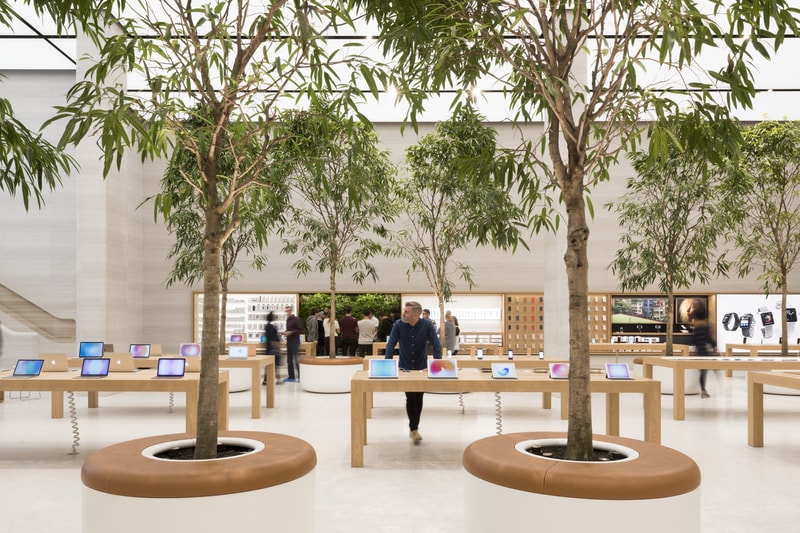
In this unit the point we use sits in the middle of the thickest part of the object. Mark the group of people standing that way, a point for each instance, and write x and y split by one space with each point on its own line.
351 337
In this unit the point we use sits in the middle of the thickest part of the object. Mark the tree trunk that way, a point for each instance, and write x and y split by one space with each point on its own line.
332 318
782 311
442 339
668 350
579 430
207 427
223 313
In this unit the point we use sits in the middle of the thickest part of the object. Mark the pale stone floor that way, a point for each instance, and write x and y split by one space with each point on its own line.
410 488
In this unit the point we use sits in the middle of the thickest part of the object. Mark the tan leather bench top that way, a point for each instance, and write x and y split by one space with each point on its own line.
121 469
659 472
359 361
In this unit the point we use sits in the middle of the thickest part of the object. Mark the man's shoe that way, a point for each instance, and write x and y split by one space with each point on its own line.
704 394
289 380
415 436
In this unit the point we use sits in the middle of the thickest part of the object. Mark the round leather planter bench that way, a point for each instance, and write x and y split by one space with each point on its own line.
510 491
328 375
125 491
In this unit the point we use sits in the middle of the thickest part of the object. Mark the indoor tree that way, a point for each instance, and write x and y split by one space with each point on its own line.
342 187
578 67
673 216
216 63
29 163
452 202
259 211
769 198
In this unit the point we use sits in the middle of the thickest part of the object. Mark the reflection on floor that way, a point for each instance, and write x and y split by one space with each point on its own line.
411 488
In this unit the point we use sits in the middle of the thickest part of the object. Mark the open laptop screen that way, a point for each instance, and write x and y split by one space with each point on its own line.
91 349
383 368
95 368
171 367
140 350
28 367
442 368
189 349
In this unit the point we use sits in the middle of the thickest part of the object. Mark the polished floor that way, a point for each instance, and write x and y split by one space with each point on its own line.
409 488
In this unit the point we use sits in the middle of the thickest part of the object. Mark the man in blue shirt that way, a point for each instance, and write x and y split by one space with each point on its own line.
413 333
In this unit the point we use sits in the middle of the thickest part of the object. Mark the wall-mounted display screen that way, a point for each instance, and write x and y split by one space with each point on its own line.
638 314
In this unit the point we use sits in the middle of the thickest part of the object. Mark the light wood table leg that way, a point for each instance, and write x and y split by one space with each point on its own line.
57 404
2 395
678 394
192 397
565 405
94 399
270 376
652 413
368 402
358 422
255 391
755 413
547 400
612 413
222 405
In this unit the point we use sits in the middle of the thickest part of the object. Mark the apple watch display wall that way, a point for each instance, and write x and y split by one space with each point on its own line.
754 318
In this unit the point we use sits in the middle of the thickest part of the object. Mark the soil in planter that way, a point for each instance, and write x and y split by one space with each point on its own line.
558 451
187 453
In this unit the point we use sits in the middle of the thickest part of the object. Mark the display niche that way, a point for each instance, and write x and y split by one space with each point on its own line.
247 313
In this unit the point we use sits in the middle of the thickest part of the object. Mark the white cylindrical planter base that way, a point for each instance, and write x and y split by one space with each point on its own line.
326 375
509 490
490 507
280 508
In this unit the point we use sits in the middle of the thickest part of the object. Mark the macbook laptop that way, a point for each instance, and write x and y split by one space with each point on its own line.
91 349
237 337
121 362
192 364
171 367
155 350
95 367
504 371
237 352
559 370
383 368
189 349
55 362
139 350
26 368
442 368
618 371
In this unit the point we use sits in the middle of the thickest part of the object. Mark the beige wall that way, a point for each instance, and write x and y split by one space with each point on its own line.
91 256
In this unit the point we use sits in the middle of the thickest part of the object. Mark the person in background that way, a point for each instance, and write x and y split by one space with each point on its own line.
702 340
426 314
294 328
348 327
413 334
367 330
384 326
322 348
312 330
273 345
450 336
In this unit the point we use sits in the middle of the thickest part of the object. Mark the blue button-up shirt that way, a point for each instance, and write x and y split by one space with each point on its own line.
413 342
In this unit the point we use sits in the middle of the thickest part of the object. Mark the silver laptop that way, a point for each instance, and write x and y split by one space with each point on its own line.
26 368
94 367
443 368
171 367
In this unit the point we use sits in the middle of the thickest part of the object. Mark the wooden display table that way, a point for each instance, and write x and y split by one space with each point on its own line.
57 383
473 380
755 350
255 364
679 365
755 400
